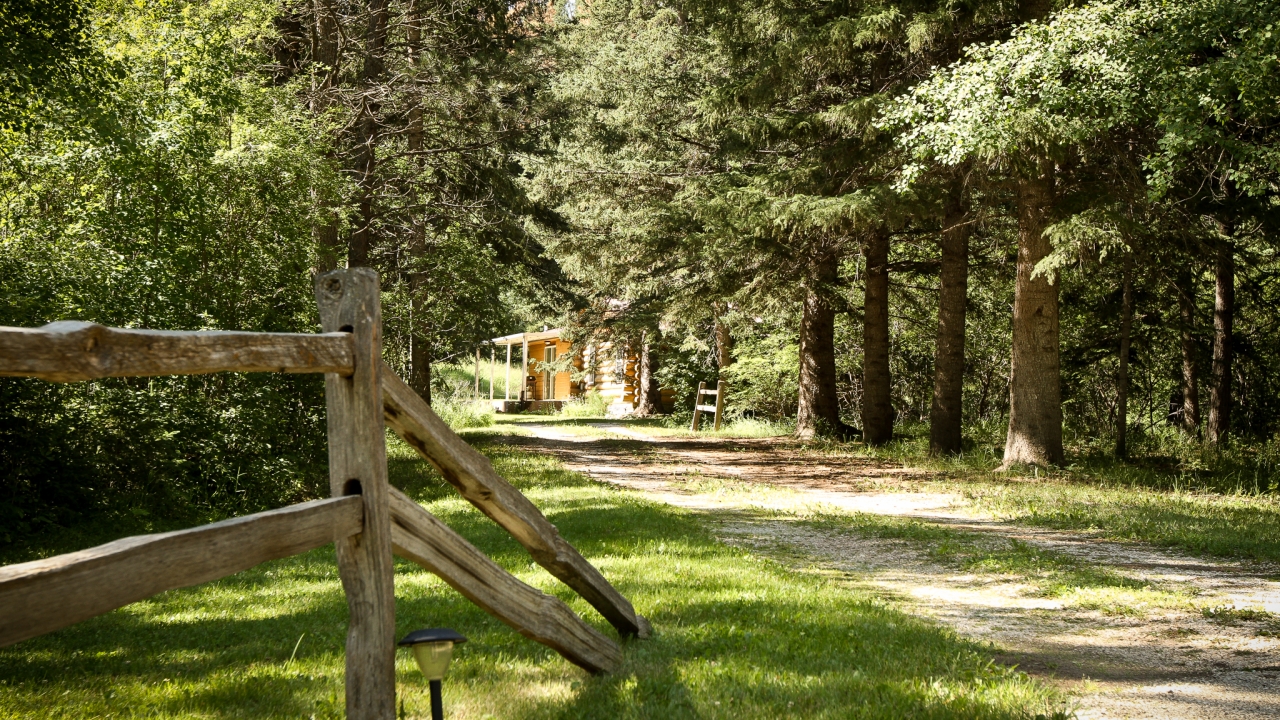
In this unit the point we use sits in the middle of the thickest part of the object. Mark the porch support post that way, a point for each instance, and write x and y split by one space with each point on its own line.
507 384
524 366
492 350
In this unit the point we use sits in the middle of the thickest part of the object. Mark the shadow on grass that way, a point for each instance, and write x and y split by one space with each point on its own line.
737 636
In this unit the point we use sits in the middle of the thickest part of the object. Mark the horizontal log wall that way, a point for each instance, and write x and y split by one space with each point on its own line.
72 351
44 595
421 537
474 477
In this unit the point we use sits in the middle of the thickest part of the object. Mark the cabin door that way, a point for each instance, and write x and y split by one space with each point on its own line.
548 377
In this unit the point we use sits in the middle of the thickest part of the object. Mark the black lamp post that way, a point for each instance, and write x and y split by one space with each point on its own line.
432 648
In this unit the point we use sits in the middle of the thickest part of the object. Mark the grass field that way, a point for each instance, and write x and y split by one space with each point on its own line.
737 635
1190 498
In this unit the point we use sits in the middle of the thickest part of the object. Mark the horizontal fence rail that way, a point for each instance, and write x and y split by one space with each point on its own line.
72 351
44 595
474 477
367 519
421 537
699 407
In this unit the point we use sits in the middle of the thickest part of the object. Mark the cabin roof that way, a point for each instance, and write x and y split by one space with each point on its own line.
519 338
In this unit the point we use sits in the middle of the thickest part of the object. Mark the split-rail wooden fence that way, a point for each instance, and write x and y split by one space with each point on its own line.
366 518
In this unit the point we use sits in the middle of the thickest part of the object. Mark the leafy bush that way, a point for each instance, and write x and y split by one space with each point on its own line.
765 379
464 414
591 405
167 216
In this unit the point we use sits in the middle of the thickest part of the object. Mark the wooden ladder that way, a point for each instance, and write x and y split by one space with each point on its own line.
699 408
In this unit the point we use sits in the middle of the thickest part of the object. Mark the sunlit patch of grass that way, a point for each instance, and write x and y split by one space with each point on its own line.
1126 600
462 414
737 635
1209 524
745 494
1048 573
748 428
1200 501
1230 614
1263 622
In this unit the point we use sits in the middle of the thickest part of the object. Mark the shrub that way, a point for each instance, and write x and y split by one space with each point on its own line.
591 405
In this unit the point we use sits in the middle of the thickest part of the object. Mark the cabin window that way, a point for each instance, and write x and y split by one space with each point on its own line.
548 377
620 365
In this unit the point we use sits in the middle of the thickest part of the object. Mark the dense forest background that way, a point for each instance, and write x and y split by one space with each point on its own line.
1025 232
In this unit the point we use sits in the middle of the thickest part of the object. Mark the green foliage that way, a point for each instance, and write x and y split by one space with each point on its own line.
462 414
591 405
453 395
47 58
193 213
764 379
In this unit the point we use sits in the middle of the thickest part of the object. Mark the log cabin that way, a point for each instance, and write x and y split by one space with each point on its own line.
607 368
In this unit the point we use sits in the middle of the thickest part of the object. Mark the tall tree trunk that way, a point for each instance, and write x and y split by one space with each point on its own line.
1224 305
650 394
1190 355
419 347
877 405
724 341
420 363
819 410
324 50
1035 393
1122 381
945 414
367 133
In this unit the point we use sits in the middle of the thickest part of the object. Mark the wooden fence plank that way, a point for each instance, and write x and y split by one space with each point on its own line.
421 537
473 476
71 351
720 390
349 301
697 407
44 595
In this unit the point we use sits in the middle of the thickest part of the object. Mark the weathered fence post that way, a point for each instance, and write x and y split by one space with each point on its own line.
720 390
697 407
349 302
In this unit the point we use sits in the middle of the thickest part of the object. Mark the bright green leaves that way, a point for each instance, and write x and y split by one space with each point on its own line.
46 56
1193 77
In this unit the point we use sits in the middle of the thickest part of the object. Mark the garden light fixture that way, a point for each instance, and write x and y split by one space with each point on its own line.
432 648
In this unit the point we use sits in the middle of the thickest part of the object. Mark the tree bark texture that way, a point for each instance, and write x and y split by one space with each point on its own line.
946 412
1224 302
1035 393
419 347
877 405
819 410
325 51
1122 379
724 341
1190 355
367 133
650 400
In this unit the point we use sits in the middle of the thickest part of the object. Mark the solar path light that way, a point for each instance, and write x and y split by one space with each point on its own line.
432 648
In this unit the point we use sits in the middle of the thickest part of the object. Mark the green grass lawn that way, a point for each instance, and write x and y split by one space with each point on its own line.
737 635
1199 501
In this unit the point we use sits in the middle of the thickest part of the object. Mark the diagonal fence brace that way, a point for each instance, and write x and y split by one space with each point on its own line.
474 477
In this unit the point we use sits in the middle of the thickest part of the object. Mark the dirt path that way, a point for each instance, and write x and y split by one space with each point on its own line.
1165 663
